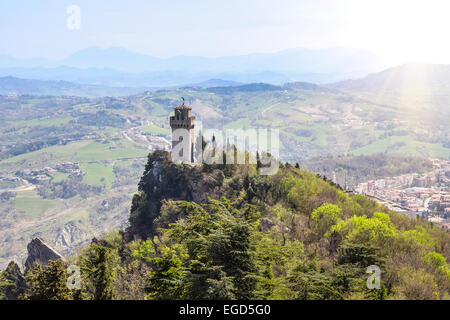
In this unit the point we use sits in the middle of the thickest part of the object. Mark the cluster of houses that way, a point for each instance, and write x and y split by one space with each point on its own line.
426 194
44 174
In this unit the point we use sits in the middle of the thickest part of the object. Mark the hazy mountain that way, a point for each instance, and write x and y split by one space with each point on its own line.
12 85
217 83
342 60
114 58
161 79
10 62
422 89
111 77
120 67
407 77
71 74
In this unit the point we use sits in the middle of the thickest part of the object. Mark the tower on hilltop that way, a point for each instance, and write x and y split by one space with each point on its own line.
183 119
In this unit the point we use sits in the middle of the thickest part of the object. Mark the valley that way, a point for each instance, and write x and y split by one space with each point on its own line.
70 165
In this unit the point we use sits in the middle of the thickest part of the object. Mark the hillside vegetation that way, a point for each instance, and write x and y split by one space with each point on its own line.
227 232
108 138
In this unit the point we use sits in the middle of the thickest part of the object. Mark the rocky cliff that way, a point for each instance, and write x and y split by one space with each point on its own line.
39 251
163 179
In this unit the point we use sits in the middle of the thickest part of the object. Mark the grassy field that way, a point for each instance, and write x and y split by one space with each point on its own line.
33 205
46 122
59 176
9 184
154 129
79 151
98 174
239 124
55 153
405 146
95 151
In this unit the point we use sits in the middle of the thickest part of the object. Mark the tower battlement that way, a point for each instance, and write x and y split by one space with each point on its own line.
183 117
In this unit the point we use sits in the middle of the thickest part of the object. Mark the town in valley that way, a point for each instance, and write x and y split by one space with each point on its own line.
426 195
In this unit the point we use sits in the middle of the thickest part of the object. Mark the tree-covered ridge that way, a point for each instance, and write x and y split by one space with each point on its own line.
227 232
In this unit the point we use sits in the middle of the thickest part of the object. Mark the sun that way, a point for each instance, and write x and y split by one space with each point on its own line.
400 30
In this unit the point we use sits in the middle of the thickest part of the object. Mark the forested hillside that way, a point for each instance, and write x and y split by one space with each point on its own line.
227 232
69 165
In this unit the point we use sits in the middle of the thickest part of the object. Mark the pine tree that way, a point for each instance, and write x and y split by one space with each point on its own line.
12 282
376 294
49 283
166 280
98 267
230 247
4 283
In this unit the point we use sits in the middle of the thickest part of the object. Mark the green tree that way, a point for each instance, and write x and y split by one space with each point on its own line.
98 267
376 294
312 285
49 283
218 238
166 264
12 282
361 254
377 230
230 247
325 217
416 285
4 283
345 277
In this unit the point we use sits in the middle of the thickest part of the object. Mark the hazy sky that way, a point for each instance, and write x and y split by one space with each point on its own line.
397 29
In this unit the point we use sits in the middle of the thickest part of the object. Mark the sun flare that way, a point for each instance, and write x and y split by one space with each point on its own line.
400 30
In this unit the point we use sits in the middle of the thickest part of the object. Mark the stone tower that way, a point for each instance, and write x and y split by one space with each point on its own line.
183 119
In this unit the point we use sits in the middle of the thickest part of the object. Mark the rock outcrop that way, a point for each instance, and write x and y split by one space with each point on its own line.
70 238
162 180
39 251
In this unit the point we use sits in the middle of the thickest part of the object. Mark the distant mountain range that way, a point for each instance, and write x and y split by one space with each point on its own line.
120 67
218 83
407 77
11 85
421 82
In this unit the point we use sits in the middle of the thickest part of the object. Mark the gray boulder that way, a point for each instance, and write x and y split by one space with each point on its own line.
39 251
